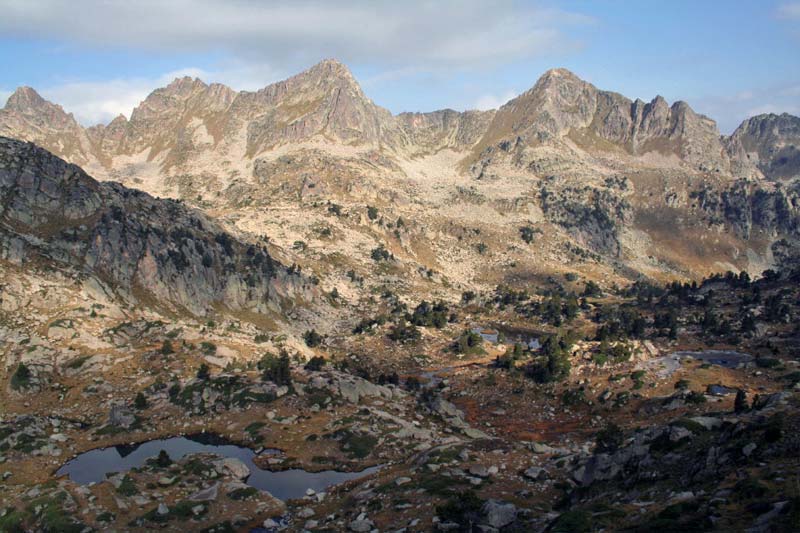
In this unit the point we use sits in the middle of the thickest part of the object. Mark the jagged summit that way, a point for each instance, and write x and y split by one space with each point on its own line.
184 86
332 67
561 104
27 102
325 102
768 144
25 99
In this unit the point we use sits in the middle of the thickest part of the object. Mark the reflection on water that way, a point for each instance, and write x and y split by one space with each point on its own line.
726 358
509 336
93 466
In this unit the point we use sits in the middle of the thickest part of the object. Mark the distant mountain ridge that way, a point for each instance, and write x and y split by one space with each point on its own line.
325 103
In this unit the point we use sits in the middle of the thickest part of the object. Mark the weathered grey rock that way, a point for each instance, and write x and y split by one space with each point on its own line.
361 526
535 473
479 471
708 422
678 433
121 416
58 437
499 514
269 523
207 494
538 447
305 512
446 409
233 466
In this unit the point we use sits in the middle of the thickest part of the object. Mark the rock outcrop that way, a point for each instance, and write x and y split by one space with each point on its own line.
563 105
145 249
768 146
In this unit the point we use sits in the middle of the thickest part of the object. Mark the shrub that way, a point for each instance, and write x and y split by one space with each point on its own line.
380 254
203 372
276 369
527 234
312 338
554 365
163 460
468 342
166 347
174 390
572 522
404 332
609 439
127 487
463 509
774 428
591 289
372 213
682 384
140 402
573 397
429 315
767 362
208 348
696 397
358 445
21 378
315 363
740 402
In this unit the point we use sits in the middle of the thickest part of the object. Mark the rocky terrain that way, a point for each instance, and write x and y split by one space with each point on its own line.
290 310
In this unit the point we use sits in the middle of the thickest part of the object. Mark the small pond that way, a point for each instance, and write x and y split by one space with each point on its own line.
726 358
94 465
511 336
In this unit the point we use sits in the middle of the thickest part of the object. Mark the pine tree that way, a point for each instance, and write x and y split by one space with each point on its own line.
140 402
740 403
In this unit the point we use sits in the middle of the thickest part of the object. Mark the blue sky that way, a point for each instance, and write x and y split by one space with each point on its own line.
728 59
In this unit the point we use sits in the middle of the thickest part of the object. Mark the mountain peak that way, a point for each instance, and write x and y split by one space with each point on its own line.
27 102
25 99
330 69
185 85
560 73
331 64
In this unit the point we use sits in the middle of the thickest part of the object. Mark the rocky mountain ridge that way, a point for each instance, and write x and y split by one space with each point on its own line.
605 181
325 102
139 248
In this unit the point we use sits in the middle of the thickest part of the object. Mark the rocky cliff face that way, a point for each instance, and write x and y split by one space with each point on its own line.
30 117
767 145
156 252
561 105
445 128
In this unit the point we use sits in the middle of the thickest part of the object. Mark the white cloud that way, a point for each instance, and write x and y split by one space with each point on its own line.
94 102
449 33
730 111
789 10
263 41
492 101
